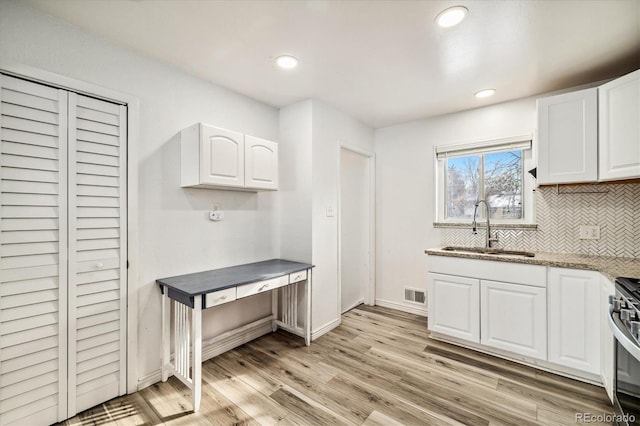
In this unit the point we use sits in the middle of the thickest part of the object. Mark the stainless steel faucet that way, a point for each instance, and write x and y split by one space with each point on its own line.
489 239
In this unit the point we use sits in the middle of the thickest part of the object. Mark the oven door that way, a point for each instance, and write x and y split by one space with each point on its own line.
626 393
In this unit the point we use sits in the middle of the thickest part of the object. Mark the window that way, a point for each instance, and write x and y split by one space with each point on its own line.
491 171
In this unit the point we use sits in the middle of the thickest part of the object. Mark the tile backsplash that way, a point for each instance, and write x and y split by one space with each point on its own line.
559 213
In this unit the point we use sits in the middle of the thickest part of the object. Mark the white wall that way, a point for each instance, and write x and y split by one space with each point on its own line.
310 135
294 209
405 185
330 129
175 235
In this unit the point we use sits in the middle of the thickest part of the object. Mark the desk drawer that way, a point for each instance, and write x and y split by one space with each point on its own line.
220 297
262 286
297 276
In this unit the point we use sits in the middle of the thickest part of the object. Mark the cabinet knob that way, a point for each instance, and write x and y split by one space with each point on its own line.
99 265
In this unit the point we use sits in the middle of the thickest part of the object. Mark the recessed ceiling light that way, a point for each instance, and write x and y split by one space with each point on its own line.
287 61
451 16
485 93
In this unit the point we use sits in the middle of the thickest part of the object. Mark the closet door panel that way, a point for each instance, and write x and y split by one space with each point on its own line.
97 254
33 251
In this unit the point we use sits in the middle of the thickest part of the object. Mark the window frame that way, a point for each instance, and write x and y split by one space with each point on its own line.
481 148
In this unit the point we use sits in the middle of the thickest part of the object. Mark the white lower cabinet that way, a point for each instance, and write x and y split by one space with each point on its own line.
514 318
454 306
551 314
606 337
574 319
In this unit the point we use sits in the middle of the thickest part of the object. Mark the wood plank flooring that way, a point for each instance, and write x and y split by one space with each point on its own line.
379 368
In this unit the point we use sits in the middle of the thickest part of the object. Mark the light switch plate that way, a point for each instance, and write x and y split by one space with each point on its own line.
331 211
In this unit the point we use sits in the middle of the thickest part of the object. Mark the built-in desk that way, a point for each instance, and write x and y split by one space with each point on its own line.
191 293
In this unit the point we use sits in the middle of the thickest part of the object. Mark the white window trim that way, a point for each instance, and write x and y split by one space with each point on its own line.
523 142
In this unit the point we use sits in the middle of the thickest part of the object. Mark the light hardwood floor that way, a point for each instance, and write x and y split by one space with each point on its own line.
379 368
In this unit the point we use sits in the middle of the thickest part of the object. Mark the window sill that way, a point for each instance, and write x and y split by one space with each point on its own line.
523 226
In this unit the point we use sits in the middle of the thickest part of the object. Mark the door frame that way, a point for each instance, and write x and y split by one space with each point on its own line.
84 88
370 290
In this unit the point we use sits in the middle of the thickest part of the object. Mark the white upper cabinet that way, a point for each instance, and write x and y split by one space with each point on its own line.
261 163
568 138
212 157
619 121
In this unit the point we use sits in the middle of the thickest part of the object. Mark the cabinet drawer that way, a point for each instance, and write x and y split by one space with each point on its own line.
220 297
297 276
262 286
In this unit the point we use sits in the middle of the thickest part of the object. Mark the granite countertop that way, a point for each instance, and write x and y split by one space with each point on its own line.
612 267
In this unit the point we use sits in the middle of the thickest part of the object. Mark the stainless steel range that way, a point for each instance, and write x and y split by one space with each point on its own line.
624 320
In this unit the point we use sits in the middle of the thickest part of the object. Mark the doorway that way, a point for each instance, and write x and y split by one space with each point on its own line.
356 225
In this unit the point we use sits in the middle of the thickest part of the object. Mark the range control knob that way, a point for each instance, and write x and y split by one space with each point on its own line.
627 315
635 329
616 303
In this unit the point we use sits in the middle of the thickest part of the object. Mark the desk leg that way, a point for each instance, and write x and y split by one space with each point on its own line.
196 352
274 309
166 334
307 322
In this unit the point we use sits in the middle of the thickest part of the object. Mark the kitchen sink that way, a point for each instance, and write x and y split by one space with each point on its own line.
484 250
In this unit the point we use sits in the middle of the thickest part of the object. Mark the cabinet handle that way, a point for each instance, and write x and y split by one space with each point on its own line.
263 287
99 265
222 297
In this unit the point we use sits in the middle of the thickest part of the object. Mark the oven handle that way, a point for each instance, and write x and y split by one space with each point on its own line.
622 335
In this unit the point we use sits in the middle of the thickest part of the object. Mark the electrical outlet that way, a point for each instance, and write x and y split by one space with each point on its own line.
216 215
589 232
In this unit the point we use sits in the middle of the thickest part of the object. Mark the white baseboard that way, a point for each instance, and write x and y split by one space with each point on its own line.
235 338
149 379
402 307
325 328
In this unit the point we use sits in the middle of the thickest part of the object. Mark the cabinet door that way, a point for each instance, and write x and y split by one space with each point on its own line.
514 318
454 304
568 138
574 319
619 120
606 337
221 157
261 163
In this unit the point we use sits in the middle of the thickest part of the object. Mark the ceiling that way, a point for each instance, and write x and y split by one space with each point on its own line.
382 62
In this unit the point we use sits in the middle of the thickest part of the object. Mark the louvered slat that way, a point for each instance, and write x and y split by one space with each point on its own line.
19 111
31 101
30 150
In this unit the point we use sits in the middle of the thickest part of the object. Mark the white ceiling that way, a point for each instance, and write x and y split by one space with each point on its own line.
383 62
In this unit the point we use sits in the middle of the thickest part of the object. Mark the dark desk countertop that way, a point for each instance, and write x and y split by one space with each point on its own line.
189 285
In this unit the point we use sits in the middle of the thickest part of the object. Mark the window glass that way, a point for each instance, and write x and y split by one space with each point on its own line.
463 186
495 177
503 184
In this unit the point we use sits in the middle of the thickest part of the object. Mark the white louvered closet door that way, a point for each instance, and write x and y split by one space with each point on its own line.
33 253
97 252
62 253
